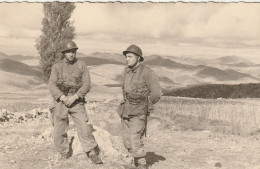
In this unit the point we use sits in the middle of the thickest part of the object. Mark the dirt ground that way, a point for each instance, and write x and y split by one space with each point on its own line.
23 145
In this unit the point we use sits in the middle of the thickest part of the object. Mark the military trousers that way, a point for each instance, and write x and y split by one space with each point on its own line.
61 124
133 131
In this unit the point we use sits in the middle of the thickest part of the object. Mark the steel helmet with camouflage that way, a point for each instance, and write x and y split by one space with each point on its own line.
135 50
68 45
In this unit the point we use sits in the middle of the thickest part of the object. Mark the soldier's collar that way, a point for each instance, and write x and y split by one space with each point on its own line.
68 62
134 70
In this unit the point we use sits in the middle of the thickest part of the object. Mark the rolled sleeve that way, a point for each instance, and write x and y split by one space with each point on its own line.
53 81
85 87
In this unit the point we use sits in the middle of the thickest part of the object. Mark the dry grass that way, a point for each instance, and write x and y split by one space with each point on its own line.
232 116
25 100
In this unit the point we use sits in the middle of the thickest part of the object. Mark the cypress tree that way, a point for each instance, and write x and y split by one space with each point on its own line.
56 28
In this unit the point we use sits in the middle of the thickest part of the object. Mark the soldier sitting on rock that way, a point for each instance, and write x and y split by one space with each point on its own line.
68 84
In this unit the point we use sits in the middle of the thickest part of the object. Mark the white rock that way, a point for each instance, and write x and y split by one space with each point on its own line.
110 145
12 161
47 133
76 145
4 111
38 110
45 110
33 111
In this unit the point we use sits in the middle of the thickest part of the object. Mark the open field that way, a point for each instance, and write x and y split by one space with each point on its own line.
183 133
233 116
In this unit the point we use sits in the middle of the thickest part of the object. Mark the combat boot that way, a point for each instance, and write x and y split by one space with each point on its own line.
142 166
93 155
95 159
140 163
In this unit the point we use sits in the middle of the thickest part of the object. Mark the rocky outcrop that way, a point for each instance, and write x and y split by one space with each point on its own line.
110 146
20 117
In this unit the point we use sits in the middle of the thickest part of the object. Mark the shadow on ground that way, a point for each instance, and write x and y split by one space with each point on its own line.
152 158
70 146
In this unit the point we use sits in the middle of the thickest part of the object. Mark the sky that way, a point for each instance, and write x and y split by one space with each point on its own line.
176 29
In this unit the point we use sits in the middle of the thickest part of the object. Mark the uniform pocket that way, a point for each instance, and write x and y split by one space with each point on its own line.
61 111
80 108
76 74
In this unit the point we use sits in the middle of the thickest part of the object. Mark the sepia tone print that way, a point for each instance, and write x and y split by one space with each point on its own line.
129 85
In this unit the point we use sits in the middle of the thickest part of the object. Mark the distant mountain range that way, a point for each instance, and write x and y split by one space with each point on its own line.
16 57
173 72
222 75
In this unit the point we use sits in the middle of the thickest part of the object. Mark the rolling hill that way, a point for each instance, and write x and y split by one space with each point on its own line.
173 72
165 62
16 76
92 61
3 55
232 60
13 66
224 60
21 57
28 60
221 75
109 57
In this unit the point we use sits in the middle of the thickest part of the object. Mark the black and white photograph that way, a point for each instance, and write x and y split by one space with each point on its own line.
129 85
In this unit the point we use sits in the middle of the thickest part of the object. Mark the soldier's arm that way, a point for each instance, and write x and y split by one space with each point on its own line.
122 86
85 81
53 81
153 85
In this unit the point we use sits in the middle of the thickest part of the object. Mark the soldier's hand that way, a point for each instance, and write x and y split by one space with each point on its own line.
63 98
71 100
121 101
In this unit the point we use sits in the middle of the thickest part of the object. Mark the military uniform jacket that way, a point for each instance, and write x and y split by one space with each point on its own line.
73 74
141 80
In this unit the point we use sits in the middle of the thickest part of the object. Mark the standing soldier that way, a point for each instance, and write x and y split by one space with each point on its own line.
68 84
141 89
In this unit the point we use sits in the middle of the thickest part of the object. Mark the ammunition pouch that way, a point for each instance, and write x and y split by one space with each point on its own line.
135 105
67 89
135 98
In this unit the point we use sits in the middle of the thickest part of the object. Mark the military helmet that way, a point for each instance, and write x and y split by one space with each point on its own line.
68 45
135 50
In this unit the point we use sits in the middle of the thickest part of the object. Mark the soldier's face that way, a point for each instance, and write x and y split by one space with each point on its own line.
131 59
70 55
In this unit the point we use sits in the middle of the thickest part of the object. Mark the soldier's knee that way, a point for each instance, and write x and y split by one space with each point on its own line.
135 139
86 130
138 152
137 146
